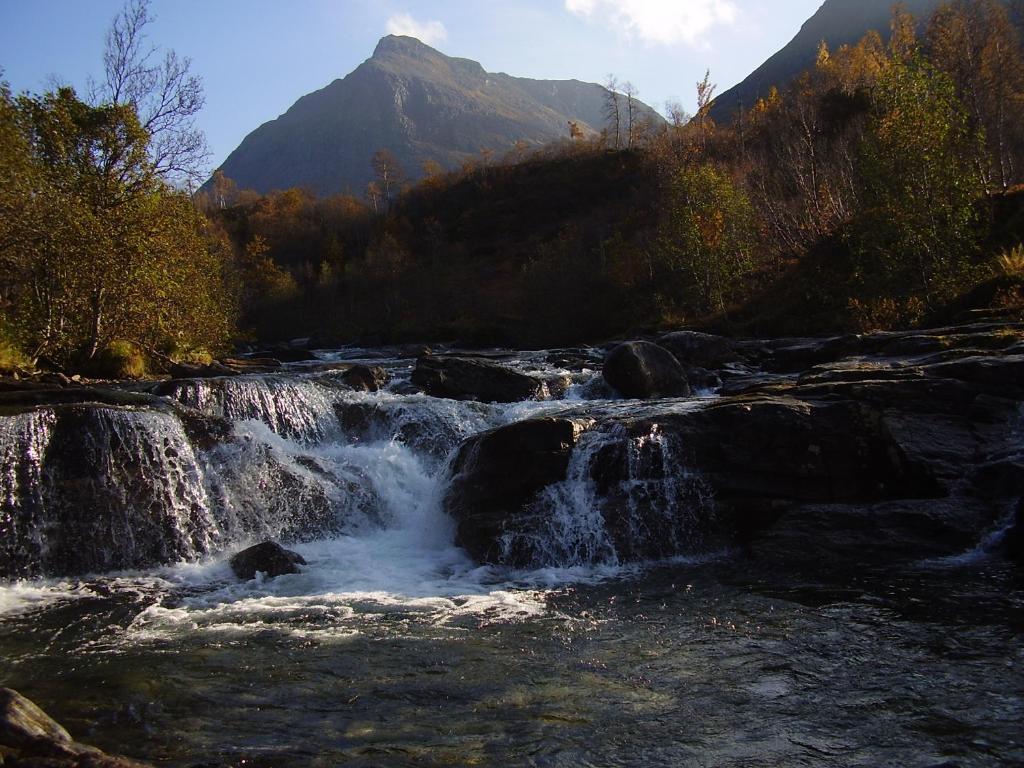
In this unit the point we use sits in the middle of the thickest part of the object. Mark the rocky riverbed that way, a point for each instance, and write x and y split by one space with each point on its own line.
491 497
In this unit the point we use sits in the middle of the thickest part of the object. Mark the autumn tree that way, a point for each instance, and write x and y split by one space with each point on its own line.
389 176
705 96
113 251
915 231
975 43
160 87
613 111
706 238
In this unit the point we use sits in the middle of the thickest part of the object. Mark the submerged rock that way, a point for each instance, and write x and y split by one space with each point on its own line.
268 558
467 378
640 369
30 737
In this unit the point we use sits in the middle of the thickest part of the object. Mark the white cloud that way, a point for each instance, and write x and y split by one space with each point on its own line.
662 22
429 32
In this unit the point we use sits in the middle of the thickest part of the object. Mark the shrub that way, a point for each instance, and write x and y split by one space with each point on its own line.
1011 262
119 360
11 356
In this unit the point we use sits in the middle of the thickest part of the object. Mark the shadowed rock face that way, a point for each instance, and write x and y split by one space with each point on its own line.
462 378
640 369
419 104
498 473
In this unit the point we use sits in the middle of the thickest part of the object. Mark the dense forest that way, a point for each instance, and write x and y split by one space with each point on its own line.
878 190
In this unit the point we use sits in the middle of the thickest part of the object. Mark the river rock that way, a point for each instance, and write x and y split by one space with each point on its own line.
701 350
466 378
640 369
31 738
496 474
364 378
1013 539
268 558
286 354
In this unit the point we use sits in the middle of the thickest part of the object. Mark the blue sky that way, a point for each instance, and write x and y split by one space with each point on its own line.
256 57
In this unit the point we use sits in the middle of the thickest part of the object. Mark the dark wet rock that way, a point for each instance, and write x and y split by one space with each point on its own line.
467 378
202 371
821 538
1013 539
762 455
364 378
268 558
424 431
640 369
702 378
252 364
497 474
1001 375
286 354
700 350
29 738
15 400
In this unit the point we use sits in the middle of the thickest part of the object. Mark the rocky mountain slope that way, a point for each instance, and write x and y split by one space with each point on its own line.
419 104
837 22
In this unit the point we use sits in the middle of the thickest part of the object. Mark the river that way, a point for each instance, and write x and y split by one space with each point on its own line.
392 647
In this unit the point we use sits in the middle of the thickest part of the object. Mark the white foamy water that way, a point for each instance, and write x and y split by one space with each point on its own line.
353 481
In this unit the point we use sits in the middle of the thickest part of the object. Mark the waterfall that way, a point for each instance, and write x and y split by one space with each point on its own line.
23 442
90 489
300 408
301 458
625 498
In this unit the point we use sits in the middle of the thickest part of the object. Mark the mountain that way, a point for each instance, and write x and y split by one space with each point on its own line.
837 22
419 104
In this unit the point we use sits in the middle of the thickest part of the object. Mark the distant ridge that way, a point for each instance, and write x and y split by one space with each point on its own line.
419 104
837 22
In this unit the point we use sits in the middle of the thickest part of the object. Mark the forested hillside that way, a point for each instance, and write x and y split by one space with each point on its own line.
879 190
876 191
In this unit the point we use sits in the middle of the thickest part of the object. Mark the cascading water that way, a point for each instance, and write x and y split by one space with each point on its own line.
306 459
97 489
643 503
23 441
299 408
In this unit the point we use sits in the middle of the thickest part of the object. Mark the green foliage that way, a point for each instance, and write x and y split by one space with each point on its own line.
11 356
97 246
706 239
916 232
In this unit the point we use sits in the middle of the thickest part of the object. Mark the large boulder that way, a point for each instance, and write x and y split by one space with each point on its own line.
701 350
30 737
467 378
268 558
497 474
640 369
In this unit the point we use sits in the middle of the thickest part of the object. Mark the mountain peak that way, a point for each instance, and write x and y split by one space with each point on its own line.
421 105
402 45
